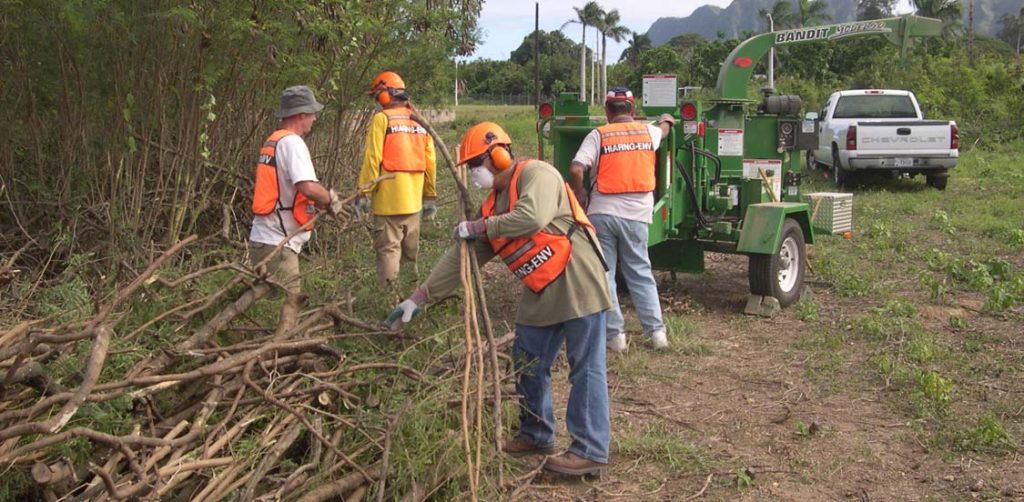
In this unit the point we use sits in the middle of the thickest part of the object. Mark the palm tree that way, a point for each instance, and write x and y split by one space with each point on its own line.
638 44
782 15
610 28
588 15
950 12
812 12
874 9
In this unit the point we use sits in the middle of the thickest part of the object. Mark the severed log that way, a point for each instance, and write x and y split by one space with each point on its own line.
340 487
35 376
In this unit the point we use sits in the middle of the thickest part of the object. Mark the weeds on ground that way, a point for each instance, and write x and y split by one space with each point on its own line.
658 444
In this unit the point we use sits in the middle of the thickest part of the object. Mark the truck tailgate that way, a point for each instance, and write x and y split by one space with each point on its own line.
908 137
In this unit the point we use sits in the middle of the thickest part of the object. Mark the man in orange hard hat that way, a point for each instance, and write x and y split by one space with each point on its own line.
287 192
532 221
395 144
619 157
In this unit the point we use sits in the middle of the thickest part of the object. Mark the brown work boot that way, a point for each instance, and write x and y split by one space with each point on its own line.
519 447
573 465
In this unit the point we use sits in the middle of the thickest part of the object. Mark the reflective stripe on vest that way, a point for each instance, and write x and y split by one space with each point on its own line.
626 158
540 259
405 143
266 199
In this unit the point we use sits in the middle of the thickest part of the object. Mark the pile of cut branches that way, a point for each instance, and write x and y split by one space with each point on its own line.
294 413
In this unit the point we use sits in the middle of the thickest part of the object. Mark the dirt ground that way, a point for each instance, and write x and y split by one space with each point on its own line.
739 409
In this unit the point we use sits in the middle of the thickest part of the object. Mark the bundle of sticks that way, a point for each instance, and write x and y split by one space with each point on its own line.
282 416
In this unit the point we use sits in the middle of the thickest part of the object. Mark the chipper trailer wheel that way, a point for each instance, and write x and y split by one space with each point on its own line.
780 275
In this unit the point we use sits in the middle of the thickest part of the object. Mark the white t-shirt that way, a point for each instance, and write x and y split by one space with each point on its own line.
631 206
293 165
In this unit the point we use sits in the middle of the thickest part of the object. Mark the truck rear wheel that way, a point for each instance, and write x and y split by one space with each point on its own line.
839 175
939 182
781 274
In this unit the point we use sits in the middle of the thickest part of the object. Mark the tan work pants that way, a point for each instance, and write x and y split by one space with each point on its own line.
396 239
284 267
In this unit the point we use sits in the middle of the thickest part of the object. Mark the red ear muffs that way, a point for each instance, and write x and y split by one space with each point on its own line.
501 157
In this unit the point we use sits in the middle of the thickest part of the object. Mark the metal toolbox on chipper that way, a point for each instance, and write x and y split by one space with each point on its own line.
832 212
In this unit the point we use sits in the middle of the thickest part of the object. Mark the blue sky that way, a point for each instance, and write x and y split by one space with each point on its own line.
506 22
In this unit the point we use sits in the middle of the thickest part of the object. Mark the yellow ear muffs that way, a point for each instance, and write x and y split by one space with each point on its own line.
501 157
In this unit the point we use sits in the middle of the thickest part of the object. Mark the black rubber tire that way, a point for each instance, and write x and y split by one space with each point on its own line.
839 175
763 269
812 163
938 182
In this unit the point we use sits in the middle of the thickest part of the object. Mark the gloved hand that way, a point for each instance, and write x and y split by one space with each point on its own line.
429 210
362 205
667 117
470 230
336 208
406 310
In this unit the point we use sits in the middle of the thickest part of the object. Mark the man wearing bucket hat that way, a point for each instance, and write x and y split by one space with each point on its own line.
396 144
532 221
619 158
287 192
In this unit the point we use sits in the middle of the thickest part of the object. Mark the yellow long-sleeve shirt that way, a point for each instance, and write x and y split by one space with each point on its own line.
404 193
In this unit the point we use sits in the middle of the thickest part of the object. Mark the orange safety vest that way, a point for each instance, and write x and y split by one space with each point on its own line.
540 259
267 197
626 158
405 143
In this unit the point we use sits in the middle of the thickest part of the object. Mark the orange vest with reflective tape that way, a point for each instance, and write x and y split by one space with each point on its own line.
540 259
626 158
266 199
405 143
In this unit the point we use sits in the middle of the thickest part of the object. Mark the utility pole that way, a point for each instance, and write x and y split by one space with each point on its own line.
456 80
970 32
536 53
771 55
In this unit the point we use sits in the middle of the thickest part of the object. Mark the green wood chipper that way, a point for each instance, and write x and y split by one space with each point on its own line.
728 175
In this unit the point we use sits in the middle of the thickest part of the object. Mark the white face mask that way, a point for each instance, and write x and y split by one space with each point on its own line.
481 177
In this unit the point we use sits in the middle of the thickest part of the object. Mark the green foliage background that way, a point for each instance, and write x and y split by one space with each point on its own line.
137 122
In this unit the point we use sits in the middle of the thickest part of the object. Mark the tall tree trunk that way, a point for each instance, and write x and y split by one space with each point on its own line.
583 65
604 65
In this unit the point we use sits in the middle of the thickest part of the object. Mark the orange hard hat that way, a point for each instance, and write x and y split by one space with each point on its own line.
384 80
479 140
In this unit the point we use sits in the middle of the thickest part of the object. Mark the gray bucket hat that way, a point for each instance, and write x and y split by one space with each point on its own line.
298 99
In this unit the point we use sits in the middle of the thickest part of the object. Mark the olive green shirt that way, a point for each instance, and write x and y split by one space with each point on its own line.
543 205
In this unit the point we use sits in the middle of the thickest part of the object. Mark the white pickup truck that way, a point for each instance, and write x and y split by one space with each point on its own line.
882 131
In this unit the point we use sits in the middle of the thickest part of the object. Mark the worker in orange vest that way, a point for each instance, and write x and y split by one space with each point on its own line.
619 158
397 145
287 193
532 221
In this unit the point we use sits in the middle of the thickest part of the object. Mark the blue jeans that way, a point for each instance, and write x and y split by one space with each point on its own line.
586 416
624 242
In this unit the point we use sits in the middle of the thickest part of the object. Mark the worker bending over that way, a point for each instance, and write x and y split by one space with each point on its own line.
533 222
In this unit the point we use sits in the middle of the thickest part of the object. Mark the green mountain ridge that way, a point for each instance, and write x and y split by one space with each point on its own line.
742 15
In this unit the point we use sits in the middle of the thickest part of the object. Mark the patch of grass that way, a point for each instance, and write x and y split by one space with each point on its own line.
932 395
657 444
988 436
682 337
807 311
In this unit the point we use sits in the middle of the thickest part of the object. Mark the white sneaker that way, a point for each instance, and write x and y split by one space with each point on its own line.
617 343
659 340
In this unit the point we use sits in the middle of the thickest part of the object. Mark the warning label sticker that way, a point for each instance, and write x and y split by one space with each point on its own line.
730 142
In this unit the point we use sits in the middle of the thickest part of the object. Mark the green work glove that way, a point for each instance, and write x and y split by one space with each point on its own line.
429 210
